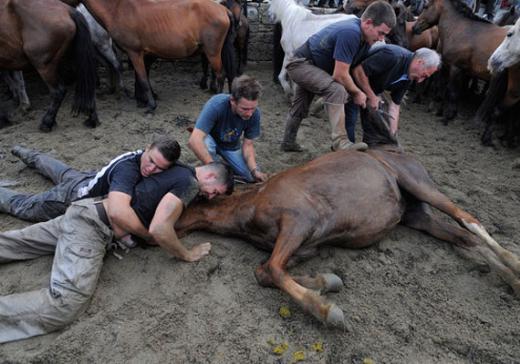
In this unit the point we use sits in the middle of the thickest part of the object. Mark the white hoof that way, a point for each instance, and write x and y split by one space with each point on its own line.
335 317
333 283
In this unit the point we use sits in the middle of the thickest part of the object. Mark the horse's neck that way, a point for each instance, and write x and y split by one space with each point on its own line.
104 11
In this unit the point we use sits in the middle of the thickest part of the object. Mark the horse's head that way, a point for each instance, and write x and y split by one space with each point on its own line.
376 127
398 33
429 17
356 7
508 52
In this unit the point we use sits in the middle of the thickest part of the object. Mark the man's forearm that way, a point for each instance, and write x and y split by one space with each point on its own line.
197 145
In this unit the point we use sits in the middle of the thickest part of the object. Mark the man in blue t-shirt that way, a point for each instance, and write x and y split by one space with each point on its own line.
221 124
321 67
391 68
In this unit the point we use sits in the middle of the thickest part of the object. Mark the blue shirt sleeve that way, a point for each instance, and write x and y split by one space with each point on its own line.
124 177
347 45
252 130
207 118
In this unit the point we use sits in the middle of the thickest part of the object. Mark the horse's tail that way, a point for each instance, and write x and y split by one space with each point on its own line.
496 91
228 51
84 98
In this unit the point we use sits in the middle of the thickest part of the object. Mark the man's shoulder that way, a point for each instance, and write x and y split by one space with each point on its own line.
219 100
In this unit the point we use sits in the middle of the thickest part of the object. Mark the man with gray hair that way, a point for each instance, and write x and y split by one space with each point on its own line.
392 68
220 125
321 66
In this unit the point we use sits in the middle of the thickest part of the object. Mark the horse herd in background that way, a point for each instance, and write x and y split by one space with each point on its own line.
43 33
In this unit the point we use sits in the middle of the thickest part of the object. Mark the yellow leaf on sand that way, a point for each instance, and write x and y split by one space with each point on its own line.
284 312
280 349
298 356
317 347
368 361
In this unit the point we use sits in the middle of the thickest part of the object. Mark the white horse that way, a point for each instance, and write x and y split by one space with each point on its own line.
298 24
508 52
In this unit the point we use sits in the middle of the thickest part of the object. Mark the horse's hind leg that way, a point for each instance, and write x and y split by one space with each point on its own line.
57 91
415 180
420 217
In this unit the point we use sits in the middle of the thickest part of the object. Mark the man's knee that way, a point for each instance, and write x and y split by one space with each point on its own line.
336 94
63 310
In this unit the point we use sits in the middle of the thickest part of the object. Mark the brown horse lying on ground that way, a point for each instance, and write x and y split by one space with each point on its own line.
39 33
348 199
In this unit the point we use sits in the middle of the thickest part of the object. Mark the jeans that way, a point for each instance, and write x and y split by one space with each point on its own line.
234 158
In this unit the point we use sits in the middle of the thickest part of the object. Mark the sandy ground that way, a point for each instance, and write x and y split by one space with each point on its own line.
410 298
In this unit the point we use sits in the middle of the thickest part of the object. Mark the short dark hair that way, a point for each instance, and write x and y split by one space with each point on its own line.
224 175
380 12
169 147
247 87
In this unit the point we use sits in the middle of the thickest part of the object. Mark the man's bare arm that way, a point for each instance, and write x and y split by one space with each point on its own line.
123 216
196 144
163 232
341 74
393 110
248 151
363 82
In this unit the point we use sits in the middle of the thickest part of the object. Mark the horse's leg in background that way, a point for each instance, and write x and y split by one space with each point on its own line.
57 91
4 120
143 91
452 93
148 62
107 53
278 53
205 65
16 84
284 78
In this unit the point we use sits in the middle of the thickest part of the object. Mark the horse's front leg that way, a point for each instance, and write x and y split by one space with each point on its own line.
274 272
143 91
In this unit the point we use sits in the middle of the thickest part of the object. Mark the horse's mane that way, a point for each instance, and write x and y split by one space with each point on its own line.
465 10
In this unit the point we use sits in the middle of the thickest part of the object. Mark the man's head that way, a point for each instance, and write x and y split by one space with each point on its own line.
160 155
377 21
215 179
424 64
245 91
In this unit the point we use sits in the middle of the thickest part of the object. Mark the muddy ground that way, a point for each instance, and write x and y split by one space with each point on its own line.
409 298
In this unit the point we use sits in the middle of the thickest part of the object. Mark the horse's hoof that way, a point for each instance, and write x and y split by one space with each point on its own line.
46 128
335 317
333 283
89 123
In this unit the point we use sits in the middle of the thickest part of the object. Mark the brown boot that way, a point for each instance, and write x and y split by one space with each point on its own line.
289 138
340 141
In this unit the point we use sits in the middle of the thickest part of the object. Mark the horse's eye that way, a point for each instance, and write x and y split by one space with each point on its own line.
509 35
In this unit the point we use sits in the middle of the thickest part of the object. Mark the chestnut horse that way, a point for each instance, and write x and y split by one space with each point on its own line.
348 199
174 29
39 33
466 43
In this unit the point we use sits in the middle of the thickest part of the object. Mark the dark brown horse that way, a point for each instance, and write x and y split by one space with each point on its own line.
466 43
348 199
39 33
174 29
